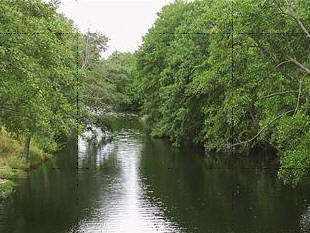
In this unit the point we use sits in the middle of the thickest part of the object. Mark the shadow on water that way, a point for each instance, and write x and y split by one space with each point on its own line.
219 193
136 183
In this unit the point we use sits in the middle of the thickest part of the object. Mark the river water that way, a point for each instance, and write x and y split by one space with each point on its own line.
140 184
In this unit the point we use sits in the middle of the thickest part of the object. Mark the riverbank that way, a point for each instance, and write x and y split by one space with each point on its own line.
13 165
6 188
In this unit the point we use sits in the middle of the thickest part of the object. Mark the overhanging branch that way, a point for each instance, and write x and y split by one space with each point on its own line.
304 68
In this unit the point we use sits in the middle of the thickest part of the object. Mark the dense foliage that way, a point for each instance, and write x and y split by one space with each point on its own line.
37 72
196 78
189 93
39 51
108 83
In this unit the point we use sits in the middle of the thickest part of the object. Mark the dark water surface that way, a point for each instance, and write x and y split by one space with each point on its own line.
138 184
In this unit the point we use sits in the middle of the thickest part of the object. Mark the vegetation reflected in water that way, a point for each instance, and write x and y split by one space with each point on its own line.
140 184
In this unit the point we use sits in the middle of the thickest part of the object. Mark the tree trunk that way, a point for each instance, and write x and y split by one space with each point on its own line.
26 147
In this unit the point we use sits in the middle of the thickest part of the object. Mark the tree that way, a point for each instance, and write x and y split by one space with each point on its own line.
189 94
37 73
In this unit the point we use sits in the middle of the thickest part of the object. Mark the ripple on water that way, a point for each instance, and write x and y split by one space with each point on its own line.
125 209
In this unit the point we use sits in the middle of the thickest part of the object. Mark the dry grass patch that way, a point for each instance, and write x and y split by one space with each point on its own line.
12 164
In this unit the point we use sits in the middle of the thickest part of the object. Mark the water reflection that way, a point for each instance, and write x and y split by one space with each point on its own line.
139 184
122 207
221 193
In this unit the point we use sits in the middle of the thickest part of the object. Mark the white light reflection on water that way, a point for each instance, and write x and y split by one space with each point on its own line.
126 210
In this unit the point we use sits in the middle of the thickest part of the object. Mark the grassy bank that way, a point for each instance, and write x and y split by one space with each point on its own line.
6 188
12 164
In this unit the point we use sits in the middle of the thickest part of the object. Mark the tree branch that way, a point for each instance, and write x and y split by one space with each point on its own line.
295 16
259 132
299 92
282 63
307 70
278 93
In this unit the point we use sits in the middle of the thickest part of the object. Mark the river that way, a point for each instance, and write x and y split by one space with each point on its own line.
137 184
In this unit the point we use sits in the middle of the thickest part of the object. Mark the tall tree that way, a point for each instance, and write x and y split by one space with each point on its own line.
37 73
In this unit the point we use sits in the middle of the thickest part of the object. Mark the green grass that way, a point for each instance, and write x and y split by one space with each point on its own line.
6 189
12 164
